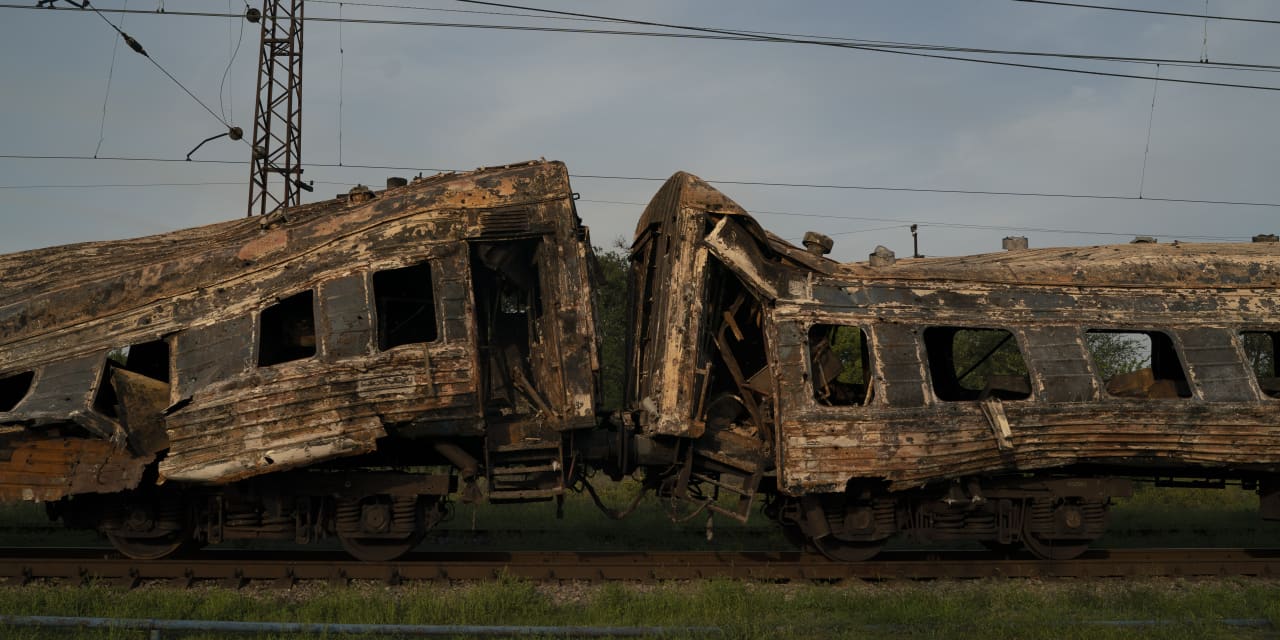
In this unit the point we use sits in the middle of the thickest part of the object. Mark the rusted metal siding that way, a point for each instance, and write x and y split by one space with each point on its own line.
910 437
668 311
204 289
44 466
1201 295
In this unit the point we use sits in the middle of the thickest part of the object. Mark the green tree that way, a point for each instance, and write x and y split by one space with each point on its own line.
611 320
848 343
1259 348
1117 353
981 353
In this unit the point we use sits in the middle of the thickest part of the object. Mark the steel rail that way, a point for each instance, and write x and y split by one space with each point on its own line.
238 568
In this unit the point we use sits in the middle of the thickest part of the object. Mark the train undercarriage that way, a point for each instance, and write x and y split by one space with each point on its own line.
379 513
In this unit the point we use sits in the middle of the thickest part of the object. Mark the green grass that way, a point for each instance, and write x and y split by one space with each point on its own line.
1171 516
977 609
1154 516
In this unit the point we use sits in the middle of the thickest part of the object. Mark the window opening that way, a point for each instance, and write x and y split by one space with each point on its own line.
975 364
1260 349
1137 364
840 362
287 330
14 388
406 306
150 359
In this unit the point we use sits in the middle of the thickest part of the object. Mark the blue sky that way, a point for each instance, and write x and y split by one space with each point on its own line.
461 98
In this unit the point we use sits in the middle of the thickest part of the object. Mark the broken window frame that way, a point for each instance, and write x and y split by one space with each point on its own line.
1270 391
278 301
104 395
1173 349
963 393
12 378
868 393
430 265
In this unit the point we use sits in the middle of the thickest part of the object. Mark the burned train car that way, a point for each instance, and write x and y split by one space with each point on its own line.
947 398
343 368
334 369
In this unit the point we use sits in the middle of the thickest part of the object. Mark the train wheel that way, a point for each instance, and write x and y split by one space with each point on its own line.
379 549
153 548
1052 549
147 525
847 551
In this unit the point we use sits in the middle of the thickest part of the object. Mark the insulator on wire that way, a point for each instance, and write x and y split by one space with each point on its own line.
133 44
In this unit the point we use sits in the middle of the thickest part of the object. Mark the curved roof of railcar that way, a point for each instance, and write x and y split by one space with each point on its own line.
47 289
1178 265
1182 265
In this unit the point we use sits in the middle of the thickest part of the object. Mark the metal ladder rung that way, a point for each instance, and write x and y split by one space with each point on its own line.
513 471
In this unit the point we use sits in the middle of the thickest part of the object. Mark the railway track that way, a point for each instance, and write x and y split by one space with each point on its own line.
239 568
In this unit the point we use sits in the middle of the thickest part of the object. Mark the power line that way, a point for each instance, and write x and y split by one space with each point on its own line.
111 72
754 183
1202 63
119 186
902 49
227 71
949 225
870 48
1200 16
974 192
137 46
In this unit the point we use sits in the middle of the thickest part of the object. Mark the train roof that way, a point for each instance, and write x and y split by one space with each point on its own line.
1191 265
46 289
1176 265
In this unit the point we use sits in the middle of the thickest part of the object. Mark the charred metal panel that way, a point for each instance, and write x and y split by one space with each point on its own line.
231 419
142 403
501 223
741 253
668 287
1059 364
49 464
346 326
1046 298
899 365
63 392
912 448
61 389
212 353
1215 365
454 296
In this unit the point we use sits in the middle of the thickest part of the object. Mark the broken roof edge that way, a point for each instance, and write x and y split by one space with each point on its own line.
47 290
683 190
17 270
1184 265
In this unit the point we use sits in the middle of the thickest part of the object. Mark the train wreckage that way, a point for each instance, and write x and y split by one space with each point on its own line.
345 368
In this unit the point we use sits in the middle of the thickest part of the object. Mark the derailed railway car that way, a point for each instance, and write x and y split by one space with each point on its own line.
344 369
856 384
336 369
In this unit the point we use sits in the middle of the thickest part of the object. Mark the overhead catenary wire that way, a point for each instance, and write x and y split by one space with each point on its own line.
137 46
111 72
1179 14
222 85
342 66
1201 63
860 47
1151 118
756 183
924 51
147 185
903 223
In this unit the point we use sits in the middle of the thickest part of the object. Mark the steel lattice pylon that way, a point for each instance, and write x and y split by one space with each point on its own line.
277 125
